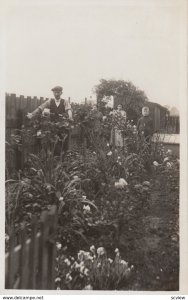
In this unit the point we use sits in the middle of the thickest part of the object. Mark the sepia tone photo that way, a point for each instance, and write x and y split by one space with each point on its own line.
92 145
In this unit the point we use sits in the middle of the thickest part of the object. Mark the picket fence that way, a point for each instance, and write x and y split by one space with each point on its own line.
31 264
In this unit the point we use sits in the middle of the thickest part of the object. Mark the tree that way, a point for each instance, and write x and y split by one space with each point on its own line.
124 92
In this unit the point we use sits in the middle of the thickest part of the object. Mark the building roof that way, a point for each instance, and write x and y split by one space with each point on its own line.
158 105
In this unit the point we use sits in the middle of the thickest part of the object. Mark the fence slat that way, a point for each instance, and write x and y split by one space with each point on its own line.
33 258
23 260
42 267
10 278
52 248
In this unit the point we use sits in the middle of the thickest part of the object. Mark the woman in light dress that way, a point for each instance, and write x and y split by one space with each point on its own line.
119 120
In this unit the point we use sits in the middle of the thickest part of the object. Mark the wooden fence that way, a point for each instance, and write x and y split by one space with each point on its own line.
31 264
18 107
173 124
16 111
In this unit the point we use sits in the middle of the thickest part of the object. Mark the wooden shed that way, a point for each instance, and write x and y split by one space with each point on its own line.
159 115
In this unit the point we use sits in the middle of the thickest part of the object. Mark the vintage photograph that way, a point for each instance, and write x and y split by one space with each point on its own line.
92 166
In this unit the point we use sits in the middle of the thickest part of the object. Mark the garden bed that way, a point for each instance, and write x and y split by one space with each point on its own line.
118 209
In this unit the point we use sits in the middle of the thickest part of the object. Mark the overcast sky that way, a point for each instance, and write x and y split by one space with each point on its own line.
52 43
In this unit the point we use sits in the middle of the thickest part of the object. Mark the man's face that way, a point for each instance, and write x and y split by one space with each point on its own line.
57 94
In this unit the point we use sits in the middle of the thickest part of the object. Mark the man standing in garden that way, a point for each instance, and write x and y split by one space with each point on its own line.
56 108
53 107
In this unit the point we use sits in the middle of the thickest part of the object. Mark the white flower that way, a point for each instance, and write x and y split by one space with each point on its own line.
119 157
100 251
67 261
84 197
58 246
87 255
169 165
121 183
39 132
110 260
134 126
82 262
81 255
86 272
92 249
46 112
98 265
75 177
88 287
169 151
76 265
155 163
116 250
68 277
104 118
123 262
94 152
165 159
57 279
109 153
82 269
117 185
91 258
61 198
108 144
48 187
86 208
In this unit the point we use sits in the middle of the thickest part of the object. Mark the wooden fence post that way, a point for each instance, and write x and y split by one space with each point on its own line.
24 264
52 222
33 257
10 261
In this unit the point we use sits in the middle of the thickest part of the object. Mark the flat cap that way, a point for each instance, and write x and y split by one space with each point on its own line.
57 88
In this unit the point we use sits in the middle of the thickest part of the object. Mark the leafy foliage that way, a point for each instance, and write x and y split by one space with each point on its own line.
99 189
125 92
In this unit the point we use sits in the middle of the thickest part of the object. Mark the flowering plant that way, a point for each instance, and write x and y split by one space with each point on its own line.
92 270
